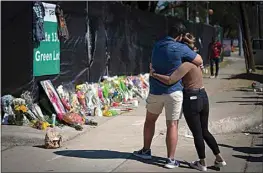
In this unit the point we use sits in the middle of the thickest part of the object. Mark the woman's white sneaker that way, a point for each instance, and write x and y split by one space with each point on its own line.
198 166
220 164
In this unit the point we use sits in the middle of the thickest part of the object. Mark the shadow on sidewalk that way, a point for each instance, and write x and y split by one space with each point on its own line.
107 154
247 76
259 67
247 150
242 89
243 102
249 97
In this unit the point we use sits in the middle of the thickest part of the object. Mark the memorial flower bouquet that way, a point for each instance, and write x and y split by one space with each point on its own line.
21 111
41 125
27 96
105 93
38 112
75 106
89 95
64 96
74 120
100 94
9 115
81 96
96 104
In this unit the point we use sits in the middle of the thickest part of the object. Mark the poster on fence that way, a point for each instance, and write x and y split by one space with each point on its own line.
46 56
53 97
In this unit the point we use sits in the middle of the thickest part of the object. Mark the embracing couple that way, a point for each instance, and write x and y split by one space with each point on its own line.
176 83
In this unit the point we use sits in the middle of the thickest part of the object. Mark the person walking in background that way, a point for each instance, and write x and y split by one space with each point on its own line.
196 110
215 50
167 56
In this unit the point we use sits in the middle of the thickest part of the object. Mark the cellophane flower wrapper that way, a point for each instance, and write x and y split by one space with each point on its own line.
134 89
73 118
64 96
41 125
81 99
27 96
19 109
80 91
89 100
100 94
96 100
74 102
9 116
38 112
73 99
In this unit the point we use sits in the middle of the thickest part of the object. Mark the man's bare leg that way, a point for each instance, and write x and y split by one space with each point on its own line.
148 133
149 129
171 138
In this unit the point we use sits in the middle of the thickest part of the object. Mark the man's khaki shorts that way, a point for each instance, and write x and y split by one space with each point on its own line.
172 103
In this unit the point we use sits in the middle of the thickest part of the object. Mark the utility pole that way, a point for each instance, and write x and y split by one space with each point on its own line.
246 32
241 53
259 24
187 10
207 12
259 21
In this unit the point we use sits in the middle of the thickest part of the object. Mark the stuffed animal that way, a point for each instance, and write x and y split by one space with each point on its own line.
53 139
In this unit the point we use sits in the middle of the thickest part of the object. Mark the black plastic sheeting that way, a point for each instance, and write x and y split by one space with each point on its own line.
120 38
128 35
17 48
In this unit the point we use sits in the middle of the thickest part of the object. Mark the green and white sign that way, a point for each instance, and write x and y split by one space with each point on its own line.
47 54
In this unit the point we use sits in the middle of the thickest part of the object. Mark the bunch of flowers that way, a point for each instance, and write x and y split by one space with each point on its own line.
21 111
80 90
41 125
64 96
37 112
6 102
75 106
27 96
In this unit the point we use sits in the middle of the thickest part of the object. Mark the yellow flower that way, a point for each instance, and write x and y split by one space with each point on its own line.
107 113
44 125
23 108
17 107
79 87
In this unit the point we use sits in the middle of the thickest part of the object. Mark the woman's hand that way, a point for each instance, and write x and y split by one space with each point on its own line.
151 70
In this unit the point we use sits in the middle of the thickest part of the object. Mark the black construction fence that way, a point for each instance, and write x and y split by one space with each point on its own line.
121 41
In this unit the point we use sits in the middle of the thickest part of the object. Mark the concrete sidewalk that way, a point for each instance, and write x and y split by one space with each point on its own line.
28 136
233 106
231 110
109 147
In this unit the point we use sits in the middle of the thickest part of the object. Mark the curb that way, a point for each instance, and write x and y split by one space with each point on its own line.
23 138
229 124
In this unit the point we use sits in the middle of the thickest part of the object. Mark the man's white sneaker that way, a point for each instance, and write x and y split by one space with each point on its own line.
171 163
220 164
212 77
198 166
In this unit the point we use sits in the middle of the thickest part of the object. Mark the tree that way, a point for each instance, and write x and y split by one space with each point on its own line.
246 34
142 5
